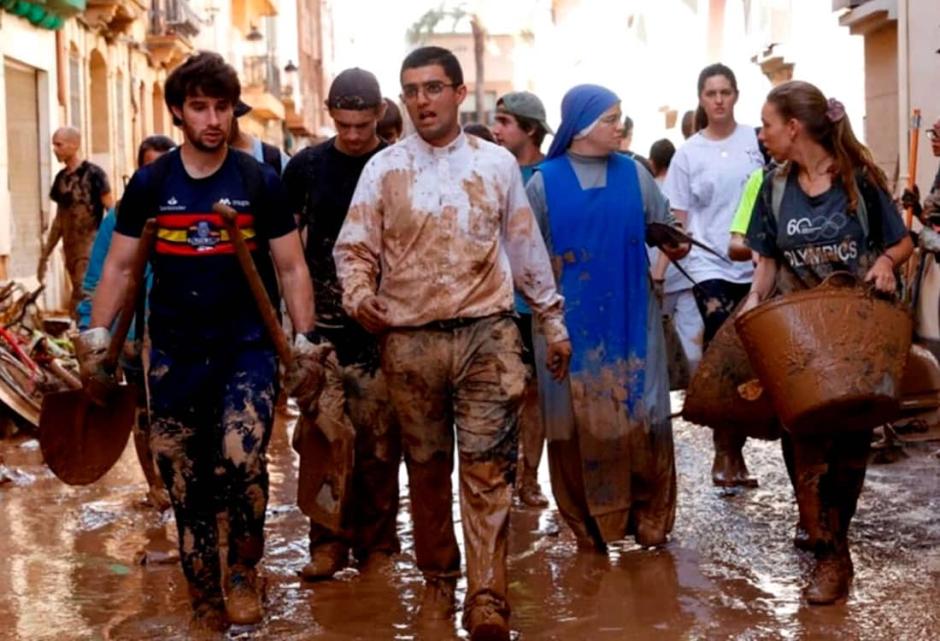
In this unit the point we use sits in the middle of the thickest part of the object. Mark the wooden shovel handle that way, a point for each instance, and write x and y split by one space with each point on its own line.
135 285
268 315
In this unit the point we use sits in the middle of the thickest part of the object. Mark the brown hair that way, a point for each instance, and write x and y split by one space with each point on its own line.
826 122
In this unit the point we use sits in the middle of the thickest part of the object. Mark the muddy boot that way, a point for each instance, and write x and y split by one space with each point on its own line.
829 581
379 563
326 560
437 602
243 596
485 623
529 491
208 622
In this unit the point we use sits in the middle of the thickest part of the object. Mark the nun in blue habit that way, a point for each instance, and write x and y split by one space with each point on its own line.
608 424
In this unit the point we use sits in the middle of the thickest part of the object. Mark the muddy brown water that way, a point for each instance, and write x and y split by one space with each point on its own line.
69 563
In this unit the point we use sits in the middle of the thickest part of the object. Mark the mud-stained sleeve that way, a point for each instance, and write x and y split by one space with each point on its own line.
528 258
655 203
358 249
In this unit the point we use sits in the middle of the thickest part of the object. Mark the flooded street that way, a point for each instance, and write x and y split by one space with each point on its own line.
91 563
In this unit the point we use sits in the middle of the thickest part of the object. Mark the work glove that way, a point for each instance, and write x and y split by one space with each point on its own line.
304 377
98 381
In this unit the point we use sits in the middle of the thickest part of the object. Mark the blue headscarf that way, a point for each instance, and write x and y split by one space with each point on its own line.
581 106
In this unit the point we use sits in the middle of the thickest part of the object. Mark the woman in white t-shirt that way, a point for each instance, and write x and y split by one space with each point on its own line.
704 184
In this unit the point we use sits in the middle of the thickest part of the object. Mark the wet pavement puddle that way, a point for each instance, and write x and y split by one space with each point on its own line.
91 564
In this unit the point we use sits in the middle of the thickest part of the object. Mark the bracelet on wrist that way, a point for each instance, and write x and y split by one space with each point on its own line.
890 260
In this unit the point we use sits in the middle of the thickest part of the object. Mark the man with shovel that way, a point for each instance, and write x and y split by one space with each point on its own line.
213 375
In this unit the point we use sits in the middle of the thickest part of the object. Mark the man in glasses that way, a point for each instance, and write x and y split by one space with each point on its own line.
320 181
438 232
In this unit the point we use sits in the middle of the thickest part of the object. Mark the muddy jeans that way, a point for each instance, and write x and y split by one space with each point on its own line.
212 418
469 375
370 515
829 474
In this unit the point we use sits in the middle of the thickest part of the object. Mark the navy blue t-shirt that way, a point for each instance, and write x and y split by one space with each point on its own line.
200 298
818 235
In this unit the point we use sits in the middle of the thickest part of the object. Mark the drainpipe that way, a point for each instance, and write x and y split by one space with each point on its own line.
904 96
60 64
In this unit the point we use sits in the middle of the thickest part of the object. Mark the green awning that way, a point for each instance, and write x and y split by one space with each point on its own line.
46 14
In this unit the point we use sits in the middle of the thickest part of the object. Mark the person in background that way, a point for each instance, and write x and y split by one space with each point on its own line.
254 146
661 153
320 182
480 131
150 149
82 195
673 288
688 124
390 125
829 178
520 127
628 142
704 186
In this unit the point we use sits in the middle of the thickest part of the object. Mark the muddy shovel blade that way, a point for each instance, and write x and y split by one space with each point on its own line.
81 441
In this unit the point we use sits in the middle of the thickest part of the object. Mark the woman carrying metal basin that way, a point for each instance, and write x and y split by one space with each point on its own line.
825 210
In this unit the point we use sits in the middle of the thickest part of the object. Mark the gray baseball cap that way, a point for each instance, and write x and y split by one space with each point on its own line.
525 104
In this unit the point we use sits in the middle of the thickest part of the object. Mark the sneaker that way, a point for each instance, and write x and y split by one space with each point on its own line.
325 561
243 597
486 624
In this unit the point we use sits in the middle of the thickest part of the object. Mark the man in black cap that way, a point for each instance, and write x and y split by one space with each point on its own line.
254 146
320 181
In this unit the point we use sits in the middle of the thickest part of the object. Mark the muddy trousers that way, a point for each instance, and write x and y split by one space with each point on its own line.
828 474
370 516
76 267
212 419
470 376
716 300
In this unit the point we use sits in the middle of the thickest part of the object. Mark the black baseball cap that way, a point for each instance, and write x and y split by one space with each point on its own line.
354 89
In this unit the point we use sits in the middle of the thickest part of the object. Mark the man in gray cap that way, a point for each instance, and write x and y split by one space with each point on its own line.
320 181
520 127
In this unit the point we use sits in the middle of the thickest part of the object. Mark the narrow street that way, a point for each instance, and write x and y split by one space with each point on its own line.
72 567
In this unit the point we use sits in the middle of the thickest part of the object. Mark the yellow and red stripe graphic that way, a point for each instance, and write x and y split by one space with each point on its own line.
197 234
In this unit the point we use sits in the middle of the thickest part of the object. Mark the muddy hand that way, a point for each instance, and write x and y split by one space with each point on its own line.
881 275
559 356
91 346
304 377
676 251
373 315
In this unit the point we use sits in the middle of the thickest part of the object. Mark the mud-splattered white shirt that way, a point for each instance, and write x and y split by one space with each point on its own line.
442 233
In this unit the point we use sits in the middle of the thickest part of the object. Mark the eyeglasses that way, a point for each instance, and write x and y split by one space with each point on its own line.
933 134
430 89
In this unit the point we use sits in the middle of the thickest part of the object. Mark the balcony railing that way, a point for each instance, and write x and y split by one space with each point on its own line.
263 71
174 17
